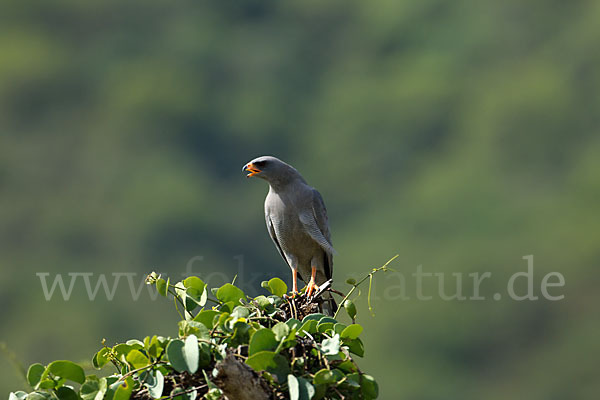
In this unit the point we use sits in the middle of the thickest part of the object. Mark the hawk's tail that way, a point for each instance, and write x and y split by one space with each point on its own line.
329 305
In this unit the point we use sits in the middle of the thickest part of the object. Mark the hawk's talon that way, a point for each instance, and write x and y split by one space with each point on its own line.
310 288
311 284
292 295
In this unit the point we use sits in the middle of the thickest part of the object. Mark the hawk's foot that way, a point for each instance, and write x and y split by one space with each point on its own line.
311 287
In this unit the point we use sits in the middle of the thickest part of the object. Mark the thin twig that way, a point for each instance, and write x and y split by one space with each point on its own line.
190 390
369 276
14 361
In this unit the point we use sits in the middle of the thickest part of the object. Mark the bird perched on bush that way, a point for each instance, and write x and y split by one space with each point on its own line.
297 222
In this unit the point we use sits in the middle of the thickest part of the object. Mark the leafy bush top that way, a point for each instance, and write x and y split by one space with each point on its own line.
288 350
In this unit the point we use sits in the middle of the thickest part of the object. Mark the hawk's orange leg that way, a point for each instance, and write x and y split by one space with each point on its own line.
294 281
311 284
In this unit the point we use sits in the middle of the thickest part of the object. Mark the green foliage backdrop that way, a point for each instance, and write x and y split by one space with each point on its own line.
462 135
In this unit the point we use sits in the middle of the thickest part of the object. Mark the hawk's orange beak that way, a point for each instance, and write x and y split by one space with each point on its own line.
252 169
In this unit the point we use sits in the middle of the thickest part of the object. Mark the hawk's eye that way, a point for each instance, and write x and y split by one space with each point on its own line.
260 163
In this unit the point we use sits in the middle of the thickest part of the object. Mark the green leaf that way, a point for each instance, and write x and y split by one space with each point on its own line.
325 327
228 307
326 319
152 346
101 358
240 312
206 317
90 388
309 326
355 346
104 382
317 317
353 380
34 374
191 298
135 344
270 362
241 333
228 292
196 291
184 355
121 350
162 287
307 390
352 332
194 282
47 384
276 301
277 287
179 394
180 290
369 387
205 355
262 339
293 323
330 347
325 376
347 366
351 281
222 319
293 387
281 331
18 395
68 370
338 328
137 359
124 390
112 384
300 388
155 382
198 329
263 302
191 352
203 297
66 393
320 391
38 396
175 355
350 308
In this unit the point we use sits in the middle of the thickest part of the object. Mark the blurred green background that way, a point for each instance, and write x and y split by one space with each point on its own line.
462 135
